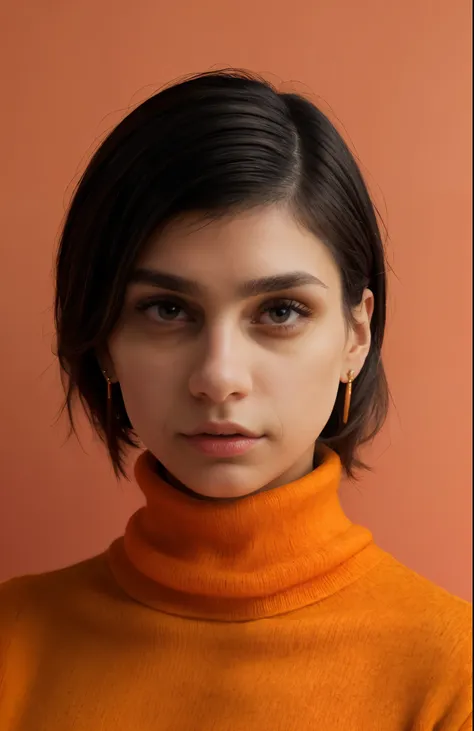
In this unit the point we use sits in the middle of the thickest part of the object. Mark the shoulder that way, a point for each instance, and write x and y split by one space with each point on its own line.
420 634
433 625
421 599
38 593
425 612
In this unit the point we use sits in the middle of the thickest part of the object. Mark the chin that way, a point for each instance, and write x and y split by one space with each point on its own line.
224 481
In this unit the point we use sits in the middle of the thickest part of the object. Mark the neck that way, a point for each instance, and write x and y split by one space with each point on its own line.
265 554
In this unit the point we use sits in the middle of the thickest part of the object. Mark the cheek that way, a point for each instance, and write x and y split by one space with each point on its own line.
305 385
319 357
148 379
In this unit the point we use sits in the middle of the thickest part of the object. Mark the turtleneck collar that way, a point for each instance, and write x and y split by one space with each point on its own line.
258 556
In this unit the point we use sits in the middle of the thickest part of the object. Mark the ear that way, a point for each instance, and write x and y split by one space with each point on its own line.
359 337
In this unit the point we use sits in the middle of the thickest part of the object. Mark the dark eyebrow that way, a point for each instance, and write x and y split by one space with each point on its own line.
278 282
251 288
173 282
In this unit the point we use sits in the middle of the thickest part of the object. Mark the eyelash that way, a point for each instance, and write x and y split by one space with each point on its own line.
293 305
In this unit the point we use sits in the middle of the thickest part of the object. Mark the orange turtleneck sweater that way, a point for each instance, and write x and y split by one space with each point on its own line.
270 612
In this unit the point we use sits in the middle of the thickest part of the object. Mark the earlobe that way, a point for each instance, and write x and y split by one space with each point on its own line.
348 376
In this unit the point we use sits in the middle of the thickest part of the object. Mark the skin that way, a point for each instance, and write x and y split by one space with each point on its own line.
223 354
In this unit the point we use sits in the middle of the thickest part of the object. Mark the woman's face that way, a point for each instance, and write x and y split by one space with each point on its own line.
235 326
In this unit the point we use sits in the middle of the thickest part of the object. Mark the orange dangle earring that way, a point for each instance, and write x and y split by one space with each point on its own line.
347 400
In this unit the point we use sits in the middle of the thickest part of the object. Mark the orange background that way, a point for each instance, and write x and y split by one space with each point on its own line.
396 78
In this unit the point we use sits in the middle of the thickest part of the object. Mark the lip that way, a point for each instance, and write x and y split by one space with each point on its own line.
222 439
222 446
222 428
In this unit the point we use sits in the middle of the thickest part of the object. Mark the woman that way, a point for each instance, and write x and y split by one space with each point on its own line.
221 300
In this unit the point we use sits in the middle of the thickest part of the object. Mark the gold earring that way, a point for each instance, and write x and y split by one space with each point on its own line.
109 386
109 404
348 396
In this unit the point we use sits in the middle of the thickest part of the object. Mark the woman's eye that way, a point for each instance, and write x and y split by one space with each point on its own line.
279 315
165 311
283 313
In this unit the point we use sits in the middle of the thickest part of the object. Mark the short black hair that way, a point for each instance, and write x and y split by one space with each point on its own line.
213 143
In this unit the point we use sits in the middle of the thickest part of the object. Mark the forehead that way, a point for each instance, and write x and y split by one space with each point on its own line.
261 242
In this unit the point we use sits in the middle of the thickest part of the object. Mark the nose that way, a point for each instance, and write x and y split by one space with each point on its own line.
221 371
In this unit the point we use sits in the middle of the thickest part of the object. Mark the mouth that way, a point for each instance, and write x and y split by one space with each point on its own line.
223 429
222 440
